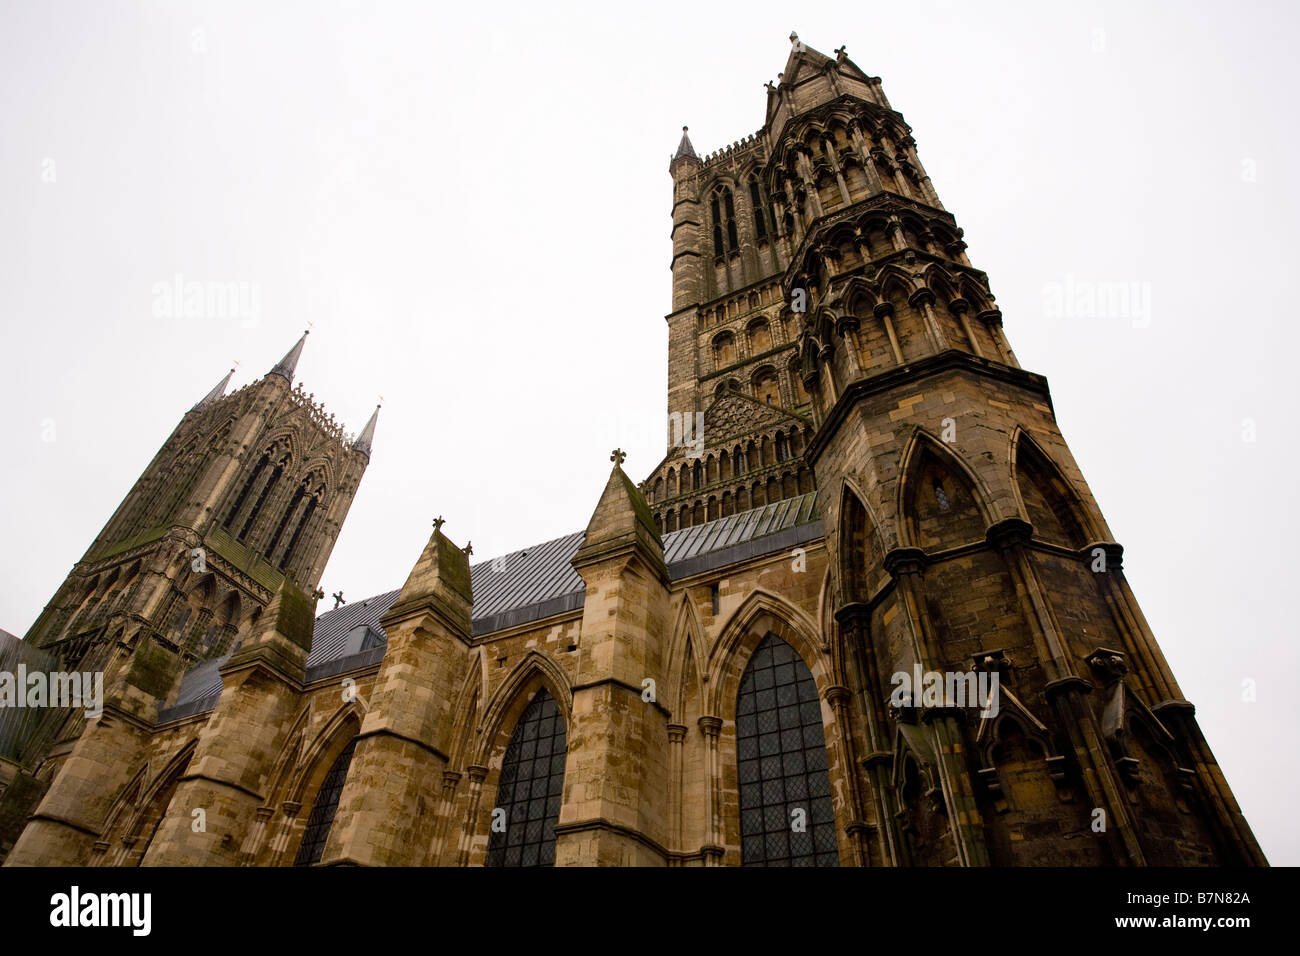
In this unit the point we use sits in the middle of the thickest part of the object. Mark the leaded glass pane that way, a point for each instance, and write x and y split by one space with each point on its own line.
778 718
530 787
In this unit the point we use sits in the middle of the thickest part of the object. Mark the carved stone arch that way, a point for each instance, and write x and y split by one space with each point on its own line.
320 754
827 601
760 613
323 471
535 671
125 807
975 294
860 298
152 804
893 279
203 589
992 729
289 758
916 516
465 716
938 281
282 442
1044 497
687 633
859 537
229 610
218 435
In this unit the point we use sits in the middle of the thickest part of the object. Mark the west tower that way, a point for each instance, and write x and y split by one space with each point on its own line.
828 325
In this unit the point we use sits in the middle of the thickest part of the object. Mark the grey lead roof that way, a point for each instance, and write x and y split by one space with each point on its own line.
528 585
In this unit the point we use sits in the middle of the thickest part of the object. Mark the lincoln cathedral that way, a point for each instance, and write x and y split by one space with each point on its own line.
861 482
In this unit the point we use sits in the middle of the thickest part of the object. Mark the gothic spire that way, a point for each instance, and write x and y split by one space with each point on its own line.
367 436
286 366
684 148
216 392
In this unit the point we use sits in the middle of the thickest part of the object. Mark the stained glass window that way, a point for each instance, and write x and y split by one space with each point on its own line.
786 818
322 813
530 789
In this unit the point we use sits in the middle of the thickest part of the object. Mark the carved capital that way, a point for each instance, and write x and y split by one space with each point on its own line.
903 561
837 695
921 297
1008 533
676 733
711 726
1109 666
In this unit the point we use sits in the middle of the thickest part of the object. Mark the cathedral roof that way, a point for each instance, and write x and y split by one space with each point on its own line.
525 586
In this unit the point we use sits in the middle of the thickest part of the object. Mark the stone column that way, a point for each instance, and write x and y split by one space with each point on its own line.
1065 690
477 775
906 566
713 849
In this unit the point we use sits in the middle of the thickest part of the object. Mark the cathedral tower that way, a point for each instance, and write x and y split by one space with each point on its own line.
250 489
825 310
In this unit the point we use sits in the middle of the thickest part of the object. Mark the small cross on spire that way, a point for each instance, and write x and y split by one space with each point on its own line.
338 598
840 51
618 456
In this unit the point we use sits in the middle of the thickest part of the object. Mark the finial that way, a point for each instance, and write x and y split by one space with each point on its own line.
794 37
438 522
469 548
685 129
338 598
840 52
618 456
318 594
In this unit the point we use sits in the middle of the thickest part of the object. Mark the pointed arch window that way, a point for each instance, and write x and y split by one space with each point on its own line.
248 487
756 203
723 209
531 788
322 812
786 818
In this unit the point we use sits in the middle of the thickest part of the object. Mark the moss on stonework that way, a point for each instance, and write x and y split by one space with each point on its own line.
152 669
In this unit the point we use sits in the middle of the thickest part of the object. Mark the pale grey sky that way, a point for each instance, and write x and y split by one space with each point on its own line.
471 203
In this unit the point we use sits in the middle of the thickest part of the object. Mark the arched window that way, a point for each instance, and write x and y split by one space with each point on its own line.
531 788
786 818
322 812
756 203
723 209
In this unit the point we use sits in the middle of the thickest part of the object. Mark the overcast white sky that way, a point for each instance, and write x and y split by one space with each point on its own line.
472 205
